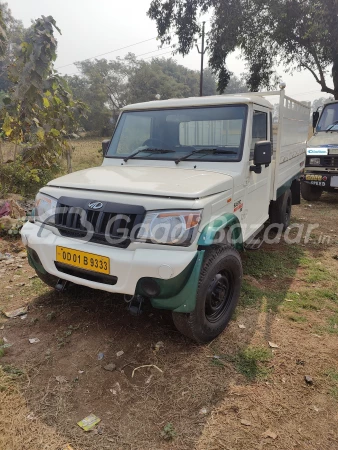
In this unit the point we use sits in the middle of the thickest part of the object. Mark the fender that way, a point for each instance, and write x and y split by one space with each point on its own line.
227 220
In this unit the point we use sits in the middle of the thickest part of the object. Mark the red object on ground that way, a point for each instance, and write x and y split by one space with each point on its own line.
5 209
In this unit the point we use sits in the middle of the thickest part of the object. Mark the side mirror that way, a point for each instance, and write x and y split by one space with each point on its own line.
105 146
315 117
262 156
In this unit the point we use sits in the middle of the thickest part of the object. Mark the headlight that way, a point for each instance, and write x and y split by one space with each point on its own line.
314 161
45 207
170 227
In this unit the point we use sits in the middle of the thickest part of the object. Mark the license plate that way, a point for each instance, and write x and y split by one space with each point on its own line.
83 260
334 181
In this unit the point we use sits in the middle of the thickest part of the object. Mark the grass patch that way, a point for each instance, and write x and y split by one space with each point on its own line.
250 295
296 318
315 271
250 362
332 375
267 263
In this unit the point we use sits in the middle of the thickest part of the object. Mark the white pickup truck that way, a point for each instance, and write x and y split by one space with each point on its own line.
184 185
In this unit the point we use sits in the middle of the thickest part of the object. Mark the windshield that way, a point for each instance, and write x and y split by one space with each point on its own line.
329 118
207 134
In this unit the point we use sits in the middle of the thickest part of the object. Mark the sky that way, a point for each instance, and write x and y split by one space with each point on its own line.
90 28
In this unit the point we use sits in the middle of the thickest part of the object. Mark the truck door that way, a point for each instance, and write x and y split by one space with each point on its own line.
258 184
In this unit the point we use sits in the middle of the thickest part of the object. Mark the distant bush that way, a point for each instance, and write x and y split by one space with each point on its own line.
19 178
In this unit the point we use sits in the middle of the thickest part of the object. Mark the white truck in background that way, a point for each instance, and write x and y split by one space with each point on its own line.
321 165
184 185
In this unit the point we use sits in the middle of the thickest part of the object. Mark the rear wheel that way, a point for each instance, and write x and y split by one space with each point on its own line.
217 295
310 192
280 210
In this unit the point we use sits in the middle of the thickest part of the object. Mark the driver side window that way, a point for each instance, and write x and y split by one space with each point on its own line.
259 130
141 127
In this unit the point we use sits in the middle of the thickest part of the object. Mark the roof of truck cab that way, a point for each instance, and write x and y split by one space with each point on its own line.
213 100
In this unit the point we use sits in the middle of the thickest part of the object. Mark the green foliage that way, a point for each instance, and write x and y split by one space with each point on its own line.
250 362
20 178
168 432
107 86
297 34
3 32
332 376
39 114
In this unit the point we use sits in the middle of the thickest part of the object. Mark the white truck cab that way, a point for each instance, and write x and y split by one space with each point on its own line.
321 165
185 184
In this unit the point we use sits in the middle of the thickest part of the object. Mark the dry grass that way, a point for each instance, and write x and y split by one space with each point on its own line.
87 153
21 429
290 297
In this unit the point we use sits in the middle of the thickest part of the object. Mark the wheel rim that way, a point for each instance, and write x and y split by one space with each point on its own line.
288 211
218 296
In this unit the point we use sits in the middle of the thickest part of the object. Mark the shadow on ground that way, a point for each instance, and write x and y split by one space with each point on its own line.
76 327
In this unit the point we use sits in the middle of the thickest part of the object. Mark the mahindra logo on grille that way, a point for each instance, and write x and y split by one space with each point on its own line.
95 205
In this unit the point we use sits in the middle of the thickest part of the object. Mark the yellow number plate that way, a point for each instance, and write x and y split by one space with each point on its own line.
83 260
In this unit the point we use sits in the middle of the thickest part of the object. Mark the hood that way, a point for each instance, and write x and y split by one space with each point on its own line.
159 181
323 139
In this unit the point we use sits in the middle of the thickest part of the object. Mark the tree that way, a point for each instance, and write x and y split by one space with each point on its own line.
318 102
107 86
12 34
301 34
39 113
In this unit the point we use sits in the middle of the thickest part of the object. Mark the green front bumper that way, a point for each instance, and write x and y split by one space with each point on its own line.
178 294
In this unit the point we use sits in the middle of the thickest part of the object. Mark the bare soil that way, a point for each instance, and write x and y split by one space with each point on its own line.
47 387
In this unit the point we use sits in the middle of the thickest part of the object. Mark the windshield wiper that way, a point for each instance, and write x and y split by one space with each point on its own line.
150 150
331 126
213 151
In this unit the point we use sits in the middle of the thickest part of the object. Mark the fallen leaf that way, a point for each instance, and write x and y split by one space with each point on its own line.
270 434
273 345
61 379
246 423
308 380
110 367
158 345
16 312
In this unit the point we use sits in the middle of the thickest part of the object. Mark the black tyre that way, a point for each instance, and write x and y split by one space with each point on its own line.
217 296
48 279
310 192
280 210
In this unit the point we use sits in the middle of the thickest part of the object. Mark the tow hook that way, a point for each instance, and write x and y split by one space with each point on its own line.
134 304
61 285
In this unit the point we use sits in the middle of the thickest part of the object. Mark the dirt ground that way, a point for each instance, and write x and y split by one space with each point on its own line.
236 393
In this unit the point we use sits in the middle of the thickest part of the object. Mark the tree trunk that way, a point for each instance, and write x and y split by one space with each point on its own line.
335 77
15 152
69 161
1 155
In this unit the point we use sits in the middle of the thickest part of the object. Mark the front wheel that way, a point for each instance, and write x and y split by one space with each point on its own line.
310 192
217 295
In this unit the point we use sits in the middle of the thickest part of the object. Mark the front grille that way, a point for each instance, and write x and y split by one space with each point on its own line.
330 161
111 225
